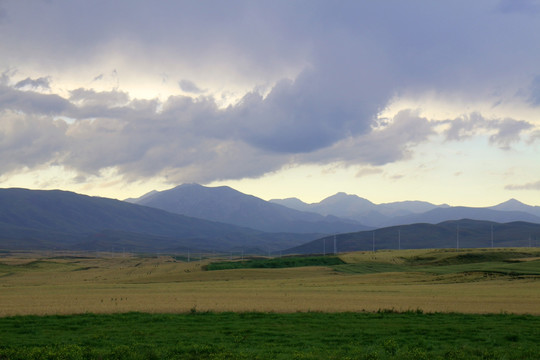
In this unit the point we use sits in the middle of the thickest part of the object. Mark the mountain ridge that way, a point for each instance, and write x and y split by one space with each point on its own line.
227 205
412 211
463 233
49 219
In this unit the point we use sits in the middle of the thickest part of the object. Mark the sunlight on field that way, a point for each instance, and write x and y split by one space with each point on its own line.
33 284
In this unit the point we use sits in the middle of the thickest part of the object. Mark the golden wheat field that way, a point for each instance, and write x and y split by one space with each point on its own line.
32 283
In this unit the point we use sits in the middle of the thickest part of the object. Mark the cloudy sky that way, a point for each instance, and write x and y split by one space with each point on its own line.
390 100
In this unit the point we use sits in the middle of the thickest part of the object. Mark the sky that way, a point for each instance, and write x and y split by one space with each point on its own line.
390 100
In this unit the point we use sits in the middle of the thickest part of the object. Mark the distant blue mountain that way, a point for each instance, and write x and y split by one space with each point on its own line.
230 206
34 220
409 212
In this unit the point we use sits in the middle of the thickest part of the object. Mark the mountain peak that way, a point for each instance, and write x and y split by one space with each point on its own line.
342 197
512 205
512 201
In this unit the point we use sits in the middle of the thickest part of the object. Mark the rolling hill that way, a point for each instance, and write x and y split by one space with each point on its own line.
37 219
464 233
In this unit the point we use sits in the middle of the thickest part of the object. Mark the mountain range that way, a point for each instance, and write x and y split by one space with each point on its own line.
409 212
227 205
464 233
199 218
38 220
338 213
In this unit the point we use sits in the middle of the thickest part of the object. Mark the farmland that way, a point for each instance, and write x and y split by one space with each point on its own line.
468 281
474 303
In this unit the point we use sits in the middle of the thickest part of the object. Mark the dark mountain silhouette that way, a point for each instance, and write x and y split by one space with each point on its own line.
227 205
464 233
34 219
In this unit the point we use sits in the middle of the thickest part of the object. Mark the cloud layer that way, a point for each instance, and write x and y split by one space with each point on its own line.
308 79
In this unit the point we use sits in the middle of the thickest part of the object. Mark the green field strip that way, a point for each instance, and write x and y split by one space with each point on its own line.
285 262
382 335
499 267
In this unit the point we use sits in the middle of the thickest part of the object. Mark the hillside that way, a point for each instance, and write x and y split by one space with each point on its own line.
464 233
227 205
438 215
33 219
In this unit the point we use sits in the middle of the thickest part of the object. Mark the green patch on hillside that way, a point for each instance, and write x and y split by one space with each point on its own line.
489 267
284 262
382 335
457 258
453 262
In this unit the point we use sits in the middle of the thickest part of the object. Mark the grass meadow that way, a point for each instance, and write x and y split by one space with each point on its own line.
471 303
308 335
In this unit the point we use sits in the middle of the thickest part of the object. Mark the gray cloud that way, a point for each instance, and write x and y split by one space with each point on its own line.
189 86
330 69
464 127
27 140
508 130
390 143
529 186
307 114
32 102
368 171
41 83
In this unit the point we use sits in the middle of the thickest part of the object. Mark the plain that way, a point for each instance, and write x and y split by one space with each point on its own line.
466 281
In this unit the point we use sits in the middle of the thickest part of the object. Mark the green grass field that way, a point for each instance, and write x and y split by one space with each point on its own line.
409 304
383 335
